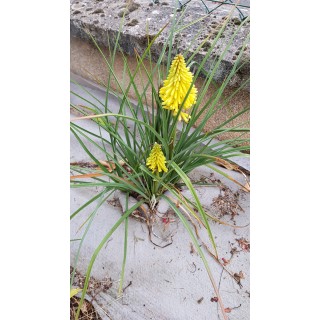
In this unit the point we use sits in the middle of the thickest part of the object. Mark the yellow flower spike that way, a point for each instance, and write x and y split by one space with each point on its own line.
176 87
157 161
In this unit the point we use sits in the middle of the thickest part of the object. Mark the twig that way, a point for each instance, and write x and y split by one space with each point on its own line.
130 283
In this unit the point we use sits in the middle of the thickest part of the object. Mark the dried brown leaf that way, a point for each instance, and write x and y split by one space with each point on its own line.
226 164
87 175
244 244
246 187
239 276
108 164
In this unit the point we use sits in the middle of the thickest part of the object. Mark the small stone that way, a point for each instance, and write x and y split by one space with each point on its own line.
133 6
236 21
77 6
123 12
132 23
98 11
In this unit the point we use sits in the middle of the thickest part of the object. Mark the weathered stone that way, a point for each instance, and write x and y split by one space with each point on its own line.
146 21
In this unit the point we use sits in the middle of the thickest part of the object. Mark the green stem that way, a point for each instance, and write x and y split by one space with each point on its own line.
156 184
172 143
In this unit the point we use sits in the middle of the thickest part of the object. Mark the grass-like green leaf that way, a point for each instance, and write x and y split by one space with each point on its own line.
98 249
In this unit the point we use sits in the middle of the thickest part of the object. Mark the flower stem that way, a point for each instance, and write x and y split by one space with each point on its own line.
156 184
172 143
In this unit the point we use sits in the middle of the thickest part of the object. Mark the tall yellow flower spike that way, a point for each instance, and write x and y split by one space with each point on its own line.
157 161
176 86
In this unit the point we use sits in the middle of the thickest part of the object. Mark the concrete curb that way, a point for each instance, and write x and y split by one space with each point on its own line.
103 20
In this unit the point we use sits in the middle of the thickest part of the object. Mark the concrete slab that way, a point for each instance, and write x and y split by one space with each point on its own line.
139 18
168 283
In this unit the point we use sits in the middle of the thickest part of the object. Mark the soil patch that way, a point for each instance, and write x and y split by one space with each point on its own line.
87 311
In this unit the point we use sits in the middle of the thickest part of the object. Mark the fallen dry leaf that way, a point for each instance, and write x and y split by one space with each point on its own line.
246 187
108 164
244 244
74 291
239 276
226 164
87 175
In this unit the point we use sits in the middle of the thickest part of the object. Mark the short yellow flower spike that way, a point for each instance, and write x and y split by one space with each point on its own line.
176 86
157 161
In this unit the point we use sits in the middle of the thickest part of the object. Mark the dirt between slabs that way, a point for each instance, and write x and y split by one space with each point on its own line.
88 310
